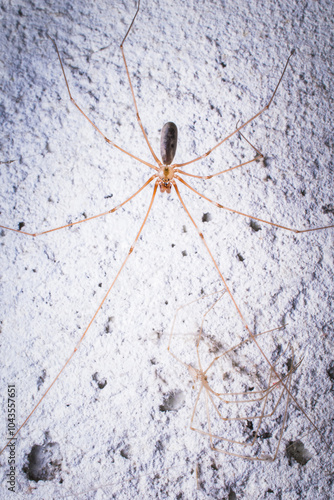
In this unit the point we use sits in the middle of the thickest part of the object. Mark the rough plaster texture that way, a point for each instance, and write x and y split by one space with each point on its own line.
205 66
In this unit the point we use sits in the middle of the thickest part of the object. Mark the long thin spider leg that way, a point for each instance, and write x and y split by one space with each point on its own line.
287 404
240 344
90 121
234 348
83 220
259 417
264 393
212 258
132 92
265 396
251 216
205 177
241 126
221 294
203 319
241 316
91 321
182 307
209 432
252 145
195 407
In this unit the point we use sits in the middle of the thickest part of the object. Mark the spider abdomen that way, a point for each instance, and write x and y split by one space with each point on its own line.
168 142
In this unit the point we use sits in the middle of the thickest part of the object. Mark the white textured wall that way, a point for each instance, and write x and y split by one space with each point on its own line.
52 285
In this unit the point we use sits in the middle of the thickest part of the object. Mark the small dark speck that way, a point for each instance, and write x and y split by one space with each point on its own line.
232 495
330 371
214 466
289 364
223 65
173 245
297 451
206 217
184 229
125 453
159 445
265 435
328 209
250 425
108 327
166 302
108 196
101 383
303 192
255 226
184 253
100 285
20 12
240 257
41 379
21 225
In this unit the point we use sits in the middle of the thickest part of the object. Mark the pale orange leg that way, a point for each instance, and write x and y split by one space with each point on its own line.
241 126
240 314
83 220
260 417
209 392
90 121
205 177
91 321
250 216
132 92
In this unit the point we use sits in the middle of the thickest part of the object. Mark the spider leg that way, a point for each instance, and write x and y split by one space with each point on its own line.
132 92
241 316
90 121
251 216
91 321
244 124
83 220
240 344
205 177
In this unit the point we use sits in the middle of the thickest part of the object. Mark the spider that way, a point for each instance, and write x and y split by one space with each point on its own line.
167 176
